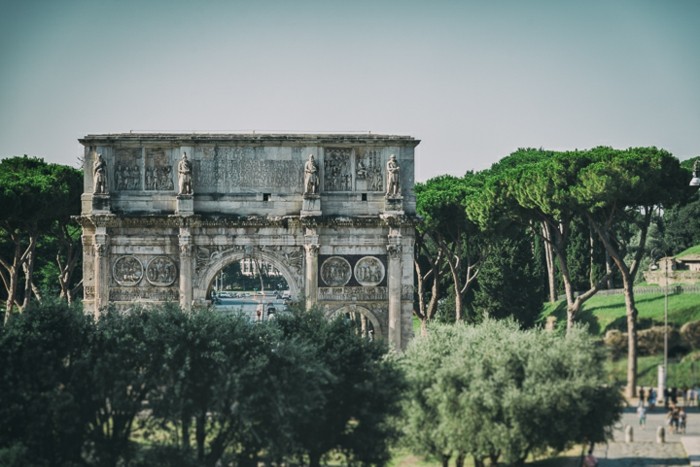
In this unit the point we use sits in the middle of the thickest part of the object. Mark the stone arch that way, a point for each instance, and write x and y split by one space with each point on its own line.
363 311
227 257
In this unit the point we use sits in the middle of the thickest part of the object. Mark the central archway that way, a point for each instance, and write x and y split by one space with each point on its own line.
219 261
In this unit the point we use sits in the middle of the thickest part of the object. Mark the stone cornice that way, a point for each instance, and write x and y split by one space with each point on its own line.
196 221
184 139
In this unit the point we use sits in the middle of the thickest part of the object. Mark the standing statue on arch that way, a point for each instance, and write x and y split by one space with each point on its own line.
184 172
99 175
392 177
311 176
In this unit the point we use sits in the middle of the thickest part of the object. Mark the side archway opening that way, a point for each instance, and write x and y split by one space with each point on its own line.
362 319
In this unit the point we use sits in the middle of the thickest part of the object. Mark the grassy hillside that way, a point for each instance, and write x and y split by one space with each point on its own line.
692 251
608 312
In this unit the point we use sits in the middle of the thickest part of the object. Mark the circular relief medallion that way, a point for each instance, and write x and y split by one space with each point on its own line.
127 270
161 271
369 271
336 271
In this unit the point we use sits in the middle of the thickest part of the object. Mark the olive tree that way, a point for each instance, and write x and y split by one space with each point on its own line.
495 391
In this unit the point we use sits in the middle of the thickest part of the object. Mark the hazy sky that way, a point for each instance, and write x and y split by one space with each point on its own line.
473 80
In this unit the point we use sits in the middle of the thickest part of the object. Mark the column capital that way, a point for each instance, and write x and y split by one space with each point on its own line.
185 250
311 248
393 250
99 249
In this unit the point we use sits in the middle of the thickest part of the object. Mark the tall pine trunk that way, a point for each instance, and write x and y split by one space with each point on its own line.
549 262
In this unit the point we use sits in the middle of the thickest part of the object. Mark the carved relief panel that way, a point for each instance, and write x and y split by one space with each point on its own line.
335 271
127 169
133 294
161 271
352 271
368 170
369 271
127 270
337 174
159 170
128 273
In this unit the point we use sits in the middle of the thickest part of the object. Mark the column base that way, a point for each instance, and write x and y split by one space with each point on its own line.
101 203
185 205
393 204
311 206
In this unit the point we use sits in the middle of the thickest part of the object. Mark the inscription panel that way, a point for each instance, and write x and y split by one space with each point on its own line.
245 169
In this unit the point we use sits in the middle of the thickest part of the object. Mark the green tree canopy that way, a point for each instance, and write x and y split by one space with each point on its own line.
622 188
495 391
455 239
34 195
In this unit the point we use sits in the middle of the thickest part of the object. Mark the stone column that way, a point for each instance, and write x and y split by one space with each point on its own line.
311 273
393 250
101 268
185 242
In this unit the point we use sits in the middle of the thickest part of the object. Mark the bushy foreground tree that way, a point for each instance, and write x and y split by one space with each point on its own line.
360 393
496 392
199 389
45 386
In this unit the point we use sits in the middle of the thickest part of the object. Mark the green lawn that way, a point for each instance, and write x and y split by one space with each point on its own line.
682 372
608 312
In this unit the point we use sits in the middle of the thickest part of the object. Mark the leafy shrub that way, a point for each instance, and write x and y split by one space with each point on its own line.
690 333
495 391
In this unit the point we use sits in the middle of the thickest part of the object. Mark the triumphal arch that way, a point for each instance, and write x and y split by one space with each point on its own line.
162 214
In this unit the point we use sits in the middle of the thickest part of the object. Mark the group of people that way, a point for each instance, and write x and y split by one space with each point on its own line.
688 396
674 401
676 419
647 397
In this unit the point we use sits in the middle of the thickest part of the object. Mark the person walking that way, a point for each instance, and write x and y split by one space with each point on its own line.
642 412
590 460
682 418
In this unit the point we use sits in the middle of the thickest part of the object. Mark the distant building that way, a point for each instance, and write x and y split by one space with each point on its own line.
685 270
249 268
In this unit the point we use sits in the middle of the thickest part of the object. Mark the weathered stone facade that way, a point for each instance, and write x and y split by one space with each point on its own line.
340 231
